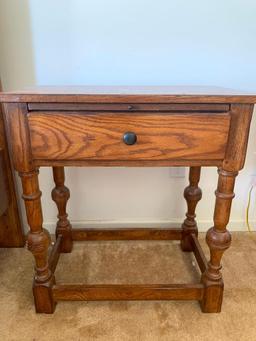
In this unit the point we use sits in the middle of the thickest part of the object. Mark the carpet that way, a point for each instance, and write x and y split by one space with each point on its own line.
130 262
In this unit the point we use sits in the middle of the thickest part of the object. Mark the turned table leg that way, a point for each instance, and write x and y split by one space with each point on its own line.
192 194
38 243
218 240
61 194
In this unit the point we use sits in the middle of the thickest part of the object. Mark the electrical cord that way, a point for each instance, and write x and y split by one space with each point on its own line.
248 209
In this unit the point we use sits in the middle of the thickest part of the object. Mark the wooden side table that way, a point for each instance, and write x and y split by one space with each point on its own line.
11 229
149 126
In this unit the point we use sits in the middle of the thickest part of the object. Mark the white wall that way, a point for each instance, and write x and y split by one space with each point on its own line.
142 42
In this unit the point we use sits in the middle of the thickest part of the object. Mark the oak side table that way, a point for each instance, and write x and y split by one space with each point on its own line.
128 126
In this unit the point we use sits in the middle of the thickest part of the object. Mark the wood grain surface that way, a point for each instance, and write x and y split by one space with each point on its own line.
4 190
99 136
126 94
126 234
81 292
130 107
11 229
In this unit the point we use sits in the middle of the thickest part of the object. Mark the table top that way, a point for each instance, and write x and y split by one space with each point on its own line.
116 94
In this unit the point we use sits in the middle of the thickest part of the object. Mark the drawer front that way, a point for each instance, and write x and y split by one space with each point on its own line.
100 136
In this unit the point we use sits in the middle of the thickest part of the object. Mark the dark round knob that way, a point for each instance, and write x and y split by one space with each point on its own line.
130 138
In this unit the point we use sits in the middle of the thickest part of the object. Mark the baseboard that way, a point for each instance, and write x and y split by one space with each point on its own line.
203 225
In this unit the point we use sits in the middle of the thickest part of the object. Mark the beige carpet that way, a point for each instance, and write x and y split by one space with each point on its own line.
133 262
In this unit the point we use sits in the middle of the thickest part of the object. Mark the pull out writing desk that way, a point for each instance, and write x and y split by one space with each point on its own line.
128 126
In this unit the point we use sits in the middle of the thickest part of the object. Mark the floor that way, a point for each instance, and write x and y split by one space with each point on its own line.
133 262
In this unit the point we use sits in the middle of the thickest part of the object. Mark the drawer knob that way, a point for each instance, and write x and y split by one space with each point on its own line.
130 138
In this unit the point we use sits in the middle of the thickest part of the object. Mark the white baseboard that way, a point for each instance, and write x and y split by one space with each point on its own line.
203 225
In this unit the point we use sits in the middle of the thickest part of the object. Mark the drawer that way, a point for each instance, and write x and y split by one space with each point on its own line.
100 136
